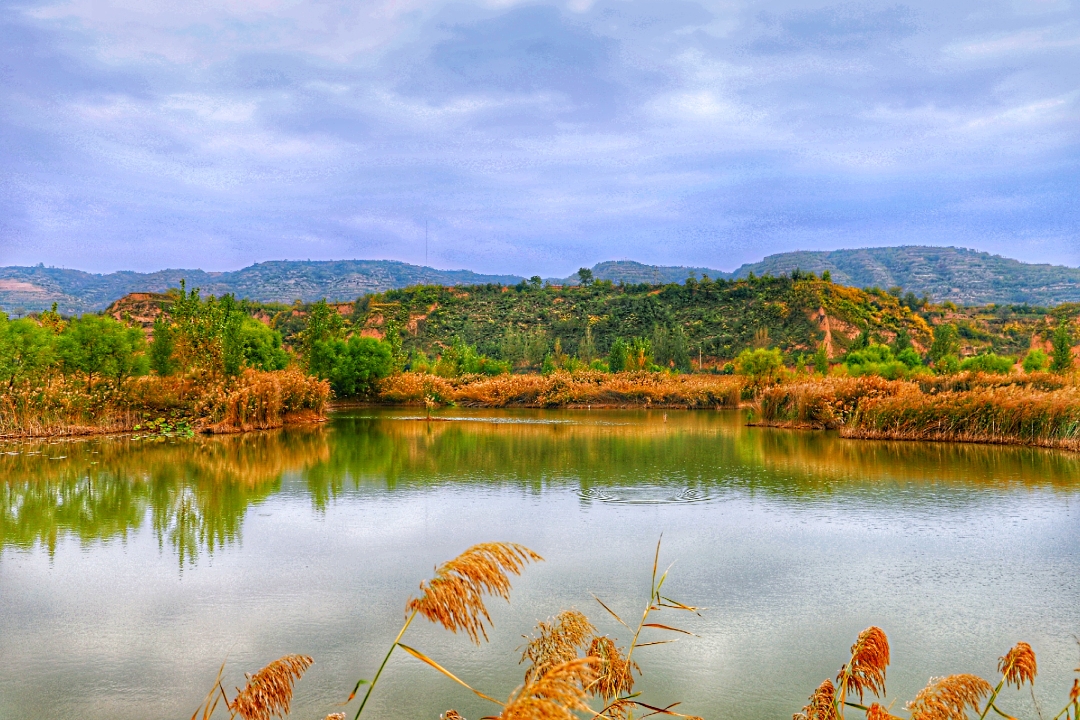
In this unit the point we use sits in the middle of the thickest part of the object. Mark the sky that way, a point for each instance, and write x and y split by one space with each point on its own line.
533 137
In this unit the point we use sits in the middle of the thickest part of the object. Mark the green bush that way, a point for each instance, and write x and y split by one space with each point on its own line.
26 350
761 366
261 346
1035 361
988 363
96 346
353 367
947 365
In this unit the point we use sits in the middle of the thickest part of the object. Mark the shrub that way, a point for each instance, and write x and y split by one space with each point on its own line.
988 363
1035 361
354 367
761 366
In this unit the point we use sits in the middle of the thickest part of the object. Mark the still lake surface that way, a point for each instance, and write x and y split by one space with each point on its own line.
129 570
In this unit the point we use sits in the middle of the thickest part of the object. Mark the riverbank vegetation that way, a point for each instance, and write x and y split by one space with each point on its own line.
571 671
800 349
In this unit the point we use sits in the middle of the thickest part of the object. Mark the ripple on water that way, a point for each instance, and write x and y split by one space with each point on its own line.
645 495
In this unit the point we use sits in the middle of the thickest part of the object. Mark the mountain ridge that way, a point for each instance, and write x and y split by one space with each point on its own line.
961 275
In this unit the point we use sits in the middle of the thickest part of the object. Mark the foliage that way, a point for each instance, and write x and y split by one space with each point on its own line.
877 359
97 346
670 348
163 347
323 324
988 363
1062 354
462 359
1035 361
946 342
353 367
26 351
207 333
261 346
761 366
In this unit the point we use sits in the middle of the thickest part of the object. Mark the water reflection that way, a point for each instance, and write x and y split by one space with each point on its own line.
195 493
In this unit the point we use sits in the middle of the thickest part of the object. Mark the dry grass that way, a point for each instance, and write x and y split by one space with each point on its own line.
562 389
967 408
615 675
949 698
454 598
254 400
557 642
876 712
269 691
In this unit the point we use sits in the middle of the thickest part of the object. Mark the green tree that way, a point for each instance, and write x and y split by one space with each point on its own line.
946 342
826 276
353 367
260 346
1035 361
587 348
821 359
162 347
324 323
96 346
207 333
585 276
617 356
760 365
670 348
1062 353
26 350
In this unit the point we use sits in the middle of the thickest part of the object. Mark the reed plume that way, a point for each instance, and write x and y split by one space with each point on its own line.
615 674
335 716
948 698
1074 694
1018 665
866 669
454 597
269 691
876 712
557 642
822 705
555 695
451 715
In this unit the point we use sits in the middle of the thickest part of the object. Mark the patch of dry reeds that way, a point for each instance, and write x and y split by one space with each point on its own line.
615 675
948 698
269 691
557 642
454 598
563 389
876 712
253 400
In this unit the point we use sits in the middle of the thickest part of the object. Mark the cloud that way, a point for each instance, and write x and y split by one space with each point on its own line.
532 136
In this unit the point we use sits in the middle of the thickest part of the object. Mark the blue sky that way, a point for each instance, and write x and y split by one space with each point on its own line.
533 137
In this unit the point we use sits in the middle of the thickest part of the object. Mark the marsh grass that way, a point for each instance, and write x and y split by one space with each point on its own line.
1022 410
254 400
565 389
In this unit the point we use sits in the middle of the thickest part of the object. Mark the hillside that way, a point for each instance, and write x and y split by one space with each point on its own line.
29 289
717 318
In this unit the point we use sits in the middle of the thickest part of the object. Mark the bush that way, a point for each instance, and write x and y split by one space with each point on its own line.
354 367
97 346
1035 361
261 346
947 365
988 363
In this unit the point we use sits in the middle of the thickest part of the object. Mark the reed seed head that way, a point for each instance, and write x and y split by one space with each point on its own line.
555 695
451 715
1018 665
948 698
1074 694
822 705
269 691
454 598
866 669
876 712
335 716
614 675
557 642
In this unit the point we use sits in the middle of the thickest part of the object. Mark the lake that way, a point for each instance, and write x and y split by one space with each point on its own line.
131 569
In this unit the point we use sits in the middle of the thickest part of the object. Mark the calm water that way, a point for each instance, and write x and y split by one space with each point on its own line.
129 570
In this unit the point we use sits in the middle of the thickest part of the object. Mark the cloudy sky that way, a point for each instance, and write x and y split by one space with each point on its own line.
533 137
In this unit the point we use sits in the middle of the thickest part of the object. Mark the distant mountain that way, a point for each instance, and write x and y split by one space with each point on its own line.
27 289
964 276
943 273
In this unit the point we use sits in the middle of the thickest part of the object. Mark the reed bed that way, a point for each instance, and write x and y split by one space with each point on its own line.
1034 410
564 389
253 400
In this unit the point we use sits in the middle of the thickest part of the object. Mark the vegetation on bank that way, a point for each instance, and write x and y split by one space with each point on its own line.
574 672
